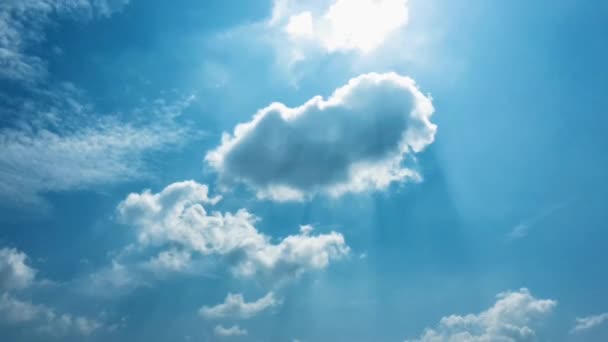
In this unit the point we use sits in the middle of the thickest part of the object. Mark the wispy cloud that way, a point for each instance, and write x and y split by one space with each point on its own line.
236 307
589 322
70 147
522 228
22 24
235 330
51 137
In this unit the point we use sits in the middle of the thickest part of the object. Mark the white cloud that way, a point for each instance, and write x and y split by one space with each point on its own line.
236 307
235 330
589 322
177 216
59 151
356 140
113 280
343 25
14 311
169 261
22 24
14 272
508 320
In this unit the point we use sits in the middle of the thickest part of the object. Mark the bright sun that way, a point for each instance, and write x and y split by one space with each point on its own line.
350 25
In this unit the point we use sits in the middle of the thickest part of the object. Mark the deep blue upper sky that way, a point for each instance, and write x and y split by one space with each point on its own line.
430 170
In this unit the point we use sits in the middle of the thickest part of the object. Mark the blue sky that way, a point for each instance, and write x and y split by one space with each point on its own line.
319 170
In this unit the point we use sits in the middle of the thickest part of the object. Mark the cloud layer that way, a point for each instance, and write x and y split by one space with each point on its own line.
177 216
356 140
44 319
508 320
236 307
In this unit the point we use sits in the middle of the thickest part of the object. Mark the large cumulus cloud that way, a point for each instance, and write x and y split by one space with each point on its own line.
356 140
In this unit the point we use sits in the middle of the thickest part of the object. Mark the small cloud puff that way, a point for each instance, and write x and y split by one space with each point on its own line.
236 307
507 320
589 322
235 330
14 272
356 140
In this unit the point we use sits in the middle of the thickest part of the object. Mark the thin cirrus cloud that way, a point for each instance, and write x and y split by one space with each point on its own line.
510 319
589 322
16 274
356 140
65 147
235 307
178 216
522 229
53 140
22 24
234 330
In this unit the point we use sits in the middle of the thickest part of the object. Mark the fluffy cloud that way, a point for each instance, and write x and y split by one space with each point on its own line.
14 272
589 322
235 330
14 311
22 24
235 307
356 140
507 321
345 25
177 217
